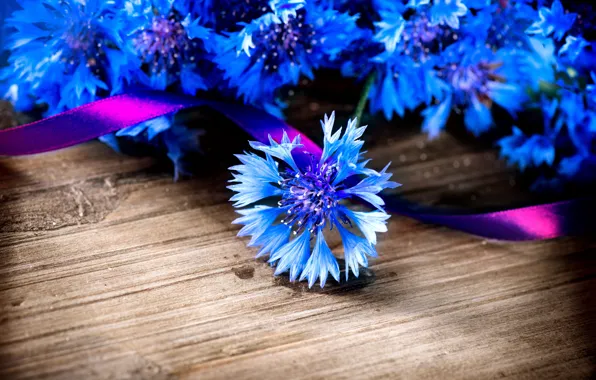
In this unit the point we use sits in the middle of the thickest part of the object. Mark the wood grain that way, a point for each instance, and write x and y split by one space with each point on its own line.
110 270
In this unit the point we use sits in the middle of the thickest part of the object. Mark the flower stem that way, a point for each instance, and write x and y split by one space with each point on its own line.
364 98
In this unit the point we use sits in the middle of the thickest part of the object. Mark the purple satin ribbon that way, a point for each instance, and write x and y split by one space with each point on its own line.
112 114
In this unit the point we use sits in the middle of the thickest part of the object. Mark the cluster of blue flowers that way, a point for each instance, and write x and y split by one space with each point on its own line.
443 58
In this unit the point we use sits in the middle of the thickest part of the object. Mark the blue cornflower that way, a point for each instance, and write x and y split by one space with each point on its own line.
406 75
175 49
66 52
417 3
415 36
312 199
269 54
570 166
555 21
477 80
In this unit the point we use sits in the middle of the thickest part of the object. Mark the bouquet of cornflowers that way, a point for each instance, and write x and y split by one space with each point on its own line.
467 60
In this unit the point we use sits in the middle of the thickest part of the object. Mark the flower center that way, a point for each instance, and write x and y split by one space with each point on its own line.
309 196
283 42
420 38
84 43
78 38
165 44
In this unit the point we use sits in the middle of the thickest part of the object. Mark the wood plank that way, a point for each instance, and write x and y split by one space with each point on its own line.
109 269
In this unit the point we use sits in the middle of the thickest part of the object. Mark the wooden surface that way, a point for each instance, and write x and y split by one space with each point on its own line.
110 270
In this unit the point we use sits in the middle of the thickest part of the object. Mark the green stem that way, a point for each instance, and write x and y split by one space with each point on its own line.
364 98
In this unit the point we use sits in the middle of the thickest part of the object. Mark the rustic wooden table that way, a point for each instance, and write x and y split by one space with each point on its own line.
110 270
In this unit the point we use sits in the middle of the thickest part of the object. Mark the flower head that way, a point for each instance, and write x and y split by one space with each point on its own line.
477 81
311 200
406 75
268 53
412 34
66 52
175 49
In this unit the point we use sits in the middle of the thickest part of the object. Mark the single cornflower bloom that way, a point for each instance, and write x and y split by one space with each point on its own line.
476 81
312 199
175 49
413 35
414 38
175 53
65 53
270 52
